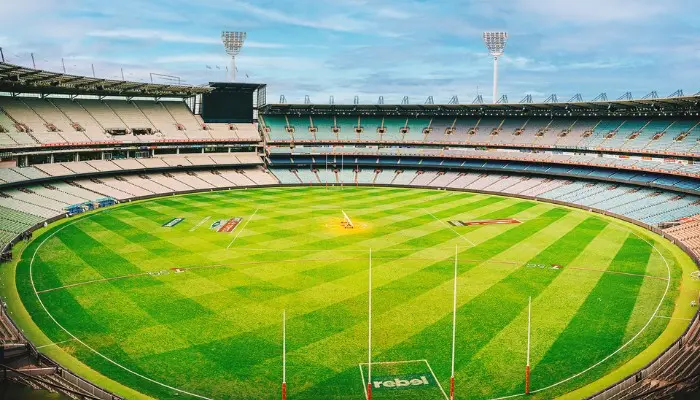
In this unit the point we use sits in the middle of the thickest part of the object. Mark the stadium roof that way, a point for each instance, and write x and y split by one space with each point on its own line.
689 105
236 86
19 79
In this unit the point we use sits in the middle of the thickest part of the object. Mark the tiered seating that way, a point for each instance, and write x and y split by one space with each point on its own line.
60 121
248 132
613 134
213 179
18 109
180 113
484 181
69 169
688 233
649 206
386 176
190 179
444 179
53 116
77 114
524 184
405 176
464 179
424 179
130 115
103 114
14 222
673 375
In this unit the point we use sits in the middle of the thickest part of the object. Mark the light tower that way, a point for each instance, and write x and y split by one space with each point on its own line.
496 43
233 42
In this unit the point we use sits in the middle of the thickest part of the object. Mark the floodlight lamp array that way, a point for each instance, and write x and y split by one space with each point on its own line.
233 42
495 42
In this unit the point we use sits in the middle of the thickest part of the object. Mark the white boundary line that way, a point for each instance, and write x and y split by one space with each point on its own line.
200 223
242 228
31 279
364 384
362 374
451 228
393 362
436 380
386 250
653 316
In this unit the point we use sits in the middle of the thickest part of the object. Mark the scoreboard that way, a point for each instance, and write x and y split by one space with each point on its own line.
232 102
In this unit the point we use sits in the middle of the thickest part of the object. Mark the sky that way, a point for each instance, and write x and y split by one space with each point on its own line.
371 48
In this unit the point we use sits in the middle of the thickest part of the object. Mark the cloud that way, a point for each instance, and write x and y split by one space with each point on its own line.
145 34
173 37
337 22
371 47
596 11
527 64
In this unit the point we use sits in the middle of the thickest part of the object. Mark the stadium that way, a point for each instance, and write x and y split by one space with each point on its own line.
164 240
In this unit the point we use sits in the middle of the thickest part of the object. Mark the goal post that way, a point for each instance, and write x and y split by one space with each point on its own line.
454 326
284 354
369 329
527 362
347 222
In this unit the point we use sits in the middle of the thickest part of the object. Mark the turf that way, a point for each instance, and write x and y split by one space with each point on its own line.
214 330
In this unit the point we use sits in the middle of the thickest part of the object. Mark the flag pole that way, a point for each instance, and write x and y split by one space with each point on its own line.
454 329
527 366
284 354
369 333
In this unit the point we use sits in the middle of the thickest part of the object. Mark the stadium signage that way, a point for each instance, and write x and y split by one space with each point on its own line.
225 225
401 382
230 225
173 222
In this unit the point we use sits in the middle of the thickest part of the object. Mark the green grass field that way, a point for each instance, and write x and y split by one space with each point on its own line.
186 309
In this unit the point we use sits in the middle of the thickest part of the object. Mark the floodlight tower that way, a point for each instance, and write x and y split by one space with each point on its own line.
496 43
233 42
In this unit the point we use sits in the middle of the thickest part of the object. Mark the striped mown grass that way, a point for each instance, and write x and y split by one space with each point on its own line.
214 330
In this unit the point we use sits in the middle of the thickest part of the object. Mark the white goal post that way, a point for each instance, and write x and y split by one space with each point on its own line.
347 222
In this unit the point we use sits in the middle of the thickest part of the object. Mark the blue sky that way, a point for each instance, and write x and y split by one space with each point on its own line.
372 47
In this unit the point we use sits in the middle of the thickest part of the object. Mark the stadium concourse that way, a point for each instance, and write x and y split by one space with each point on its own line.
71 144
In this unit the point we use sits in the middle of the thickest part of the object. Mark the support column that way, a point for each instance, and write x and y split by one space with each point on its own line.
495 79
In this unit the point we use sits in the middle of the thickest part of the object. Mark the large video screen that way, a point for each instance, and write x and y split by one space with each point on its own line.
227 107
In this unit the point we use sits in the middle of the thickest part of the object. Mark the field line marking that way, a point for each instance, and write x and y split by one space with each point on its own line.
341 250
393 362
31 279
364 386
602 271
92 281
149 273
205 219
54 344
450 228
242 228
437 380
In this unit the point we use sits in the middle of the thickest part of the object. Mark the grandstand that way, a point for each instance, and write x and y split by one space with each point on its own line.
69 141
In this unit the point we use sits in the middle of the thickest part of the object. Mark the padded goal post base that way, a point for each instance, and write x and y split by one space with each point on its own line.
527 379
